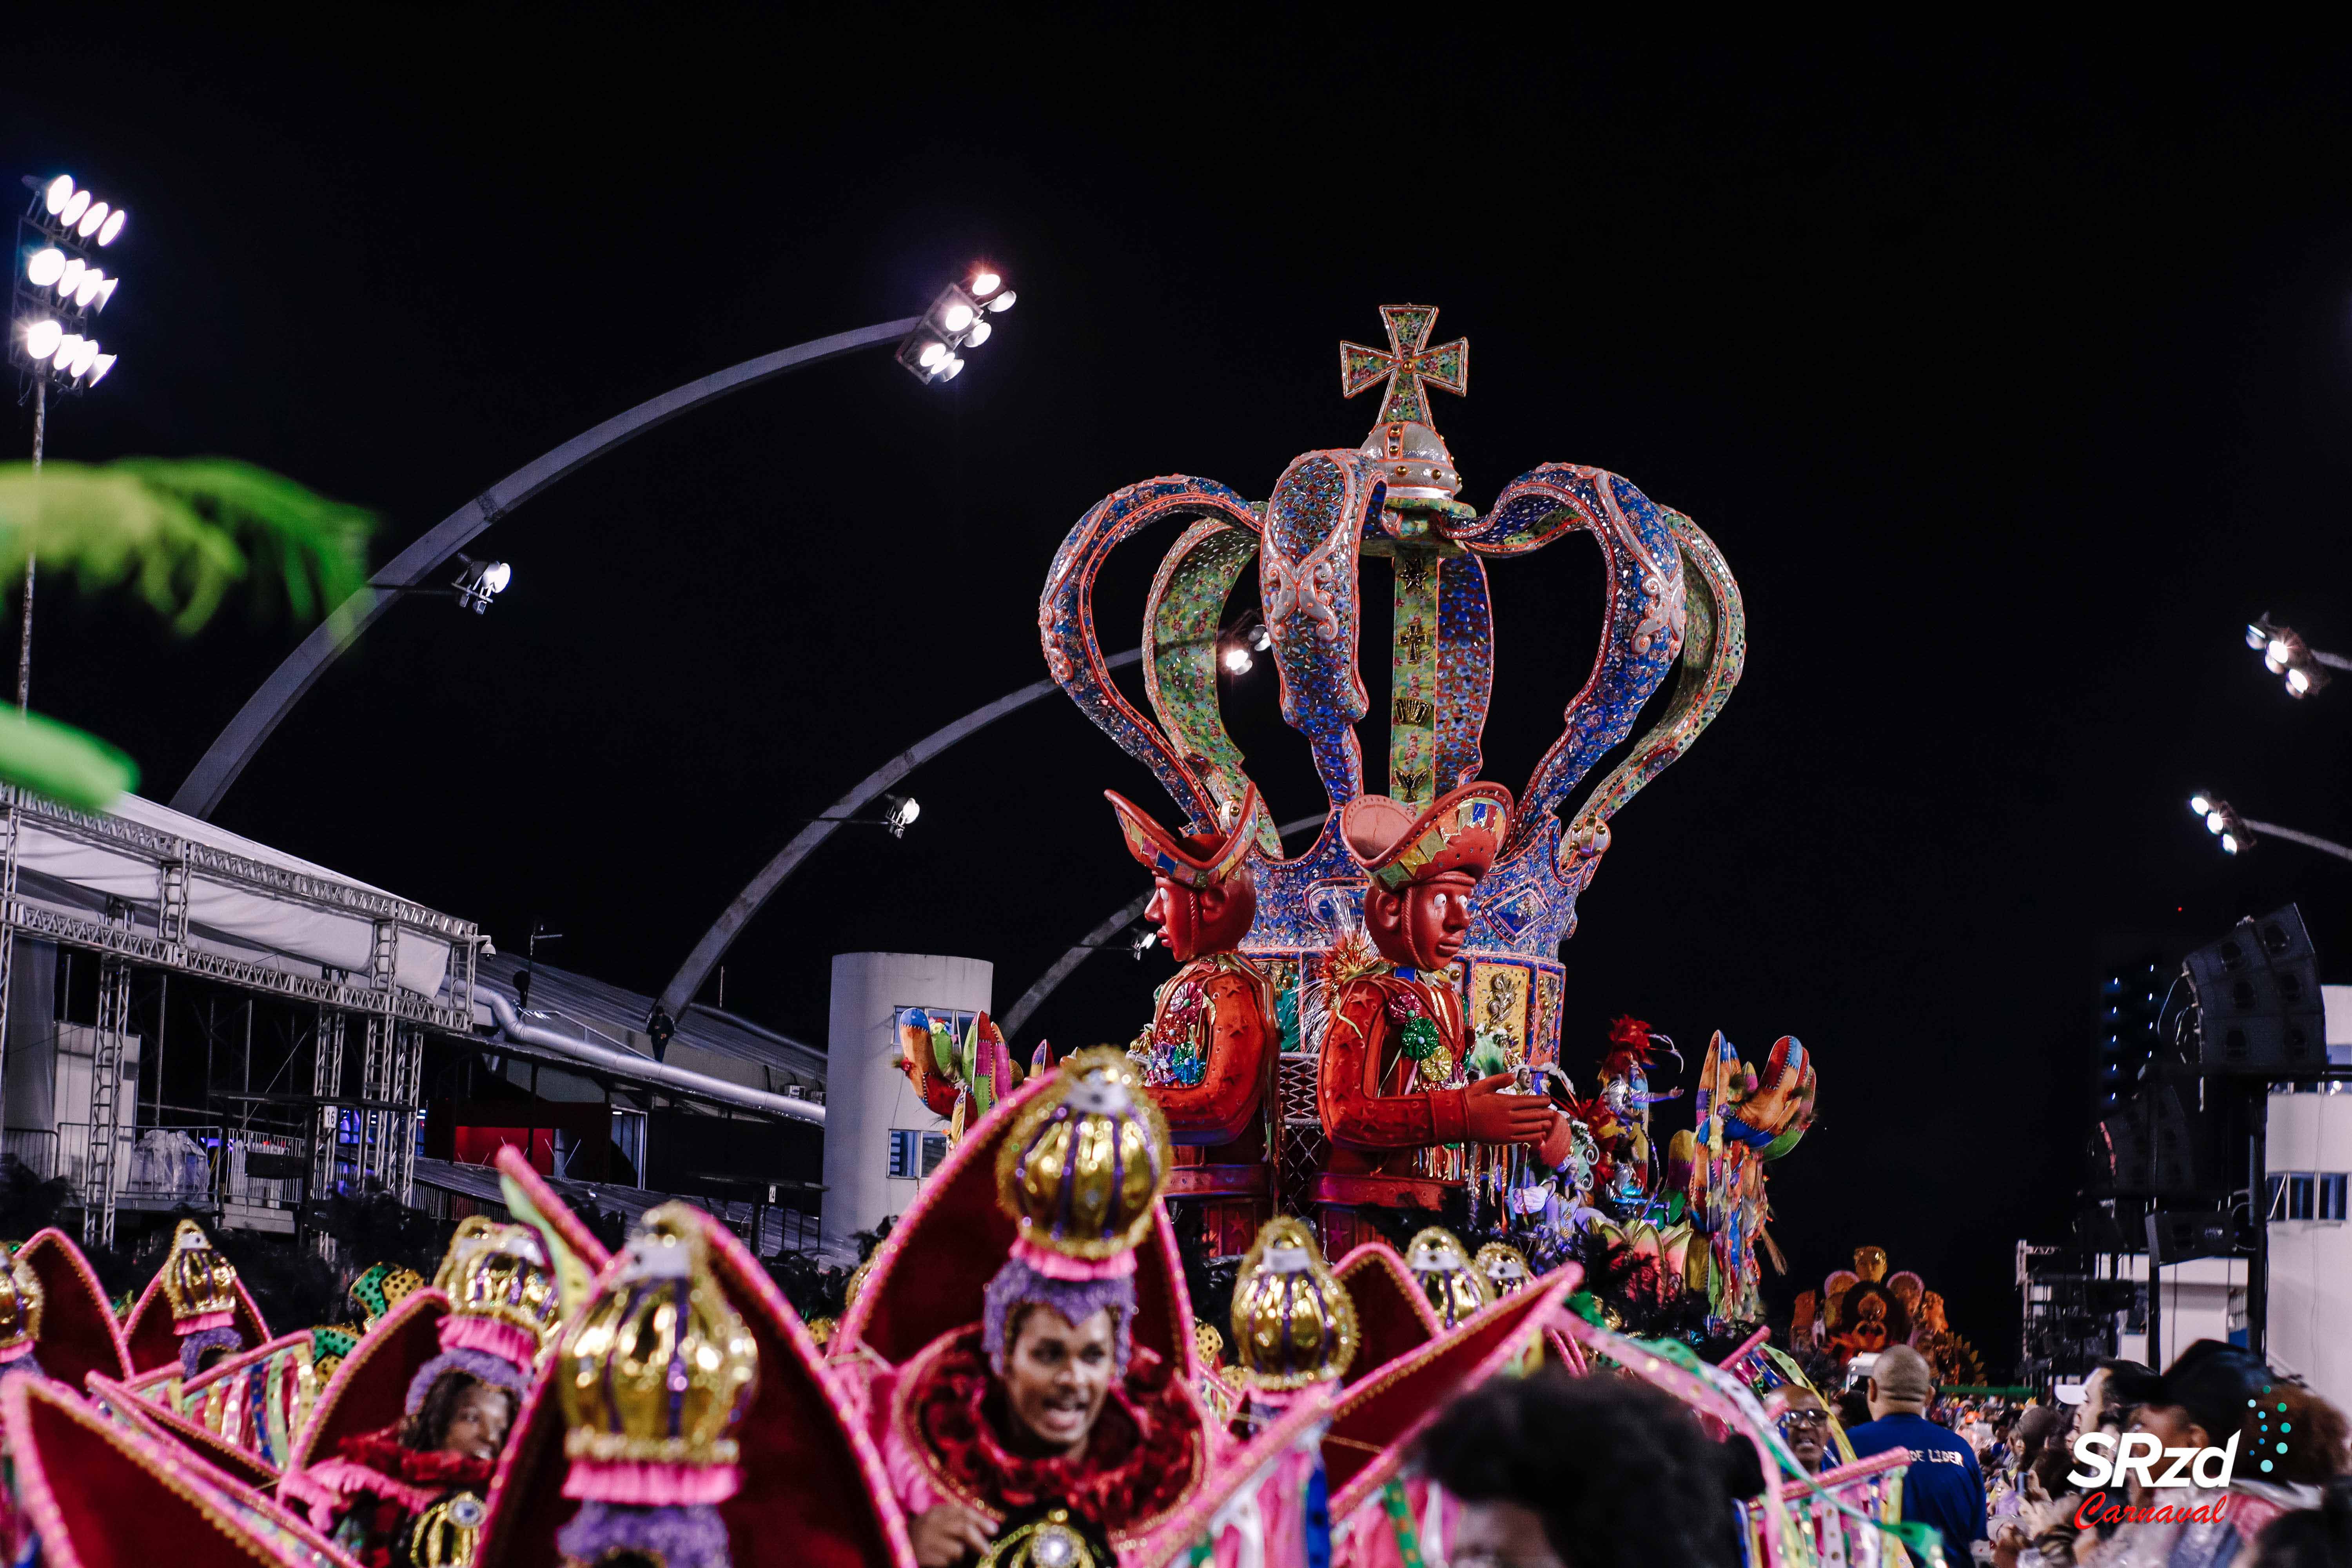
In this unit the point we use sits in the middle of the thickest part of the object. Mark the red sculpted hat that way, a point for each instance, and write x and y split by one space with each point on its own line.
1196 860
1462 832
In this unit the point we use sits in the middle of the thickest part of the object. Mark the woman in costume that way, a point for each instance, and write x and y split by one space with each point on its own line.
1047 1403
439 1456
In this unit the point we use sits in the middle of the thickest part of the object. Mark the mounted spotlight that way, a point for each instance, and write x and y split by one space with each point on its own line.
903 809
1237 660
2286 655
2222 823
479 582
956 320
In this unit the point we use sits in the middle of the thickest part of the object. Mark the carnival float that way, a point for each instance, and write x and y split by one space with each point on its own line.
1346 1171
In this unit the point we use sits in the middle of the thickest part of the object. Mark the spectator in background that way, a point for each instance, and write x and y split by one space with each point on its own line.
2310 1538
1804 1423
1560 1471
1944 1487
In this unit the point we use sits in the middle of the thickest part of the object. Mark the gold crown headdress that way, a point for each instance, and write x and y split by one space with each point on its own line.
1083 1167
1444 1272
1294 1323
660 1367
655 1376
199 1283
1505 1269
505 1303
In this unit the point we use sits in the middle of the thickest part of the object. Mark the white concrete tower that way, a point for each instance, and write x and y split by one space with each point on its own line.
866 1097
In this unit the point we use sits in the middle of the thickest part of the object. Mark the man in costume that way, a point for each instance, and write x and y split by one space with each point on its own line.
1393 1089
1048 1404
1209 1056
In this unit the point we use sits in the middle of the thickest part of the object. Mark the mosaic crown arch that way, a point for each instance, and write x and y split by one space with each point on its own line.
1672 607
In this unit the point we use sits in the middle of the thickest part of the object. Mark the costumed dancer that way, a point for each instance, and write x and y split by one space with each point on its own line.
428 1473
210 1314
22 1300
1210 1053
1047 1405
1392 1087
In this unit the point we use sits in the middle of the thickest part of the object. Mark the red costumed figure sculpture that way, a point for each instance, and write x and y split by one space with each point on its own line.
1209 1056
1393 1089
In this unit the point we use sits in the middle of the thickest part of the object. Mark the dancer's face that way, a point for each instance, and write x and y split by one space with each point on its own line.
477 1426
1057 1375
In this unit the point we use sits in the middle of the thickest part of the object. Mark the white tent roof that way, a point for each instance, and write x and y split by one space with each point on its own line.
245 901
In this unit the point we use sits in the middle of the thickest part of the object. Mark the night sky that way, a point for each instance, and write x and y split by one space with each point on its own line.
2010 387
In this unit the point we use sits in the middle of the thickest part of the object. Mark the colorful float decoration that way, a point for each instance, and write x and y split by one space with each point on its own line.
960 1078
1672 608
1863 1309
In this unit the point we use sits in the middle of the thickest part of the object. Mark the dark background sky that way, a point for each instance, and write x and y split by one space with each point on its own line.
2009 386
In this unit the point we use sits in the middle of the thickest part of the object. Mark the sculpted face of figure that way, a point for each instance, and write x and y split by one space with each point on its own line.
1057 1376
1193 921
1422 927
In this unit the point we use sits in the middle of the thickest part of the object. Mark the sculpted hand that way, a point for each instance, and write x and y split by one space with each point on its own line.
1557 1144
947 1534
1491 1116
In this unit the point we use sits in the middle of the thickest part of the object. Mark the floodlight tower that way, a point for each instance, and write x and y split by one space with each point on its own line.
59 291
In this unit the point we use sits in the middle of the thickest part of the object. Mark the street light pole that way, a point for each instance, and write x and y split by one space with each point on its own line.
25 637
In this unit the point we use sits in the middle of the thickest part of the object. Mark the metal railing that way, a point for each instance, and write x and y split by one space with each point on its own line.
35 1148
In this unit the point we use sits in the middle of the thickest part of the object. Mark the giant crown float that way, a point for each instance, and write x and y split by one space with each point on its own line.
1671 601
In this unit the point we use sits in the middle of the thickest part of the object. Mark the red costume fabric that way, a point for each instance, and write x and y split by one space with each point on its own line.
1144 1456
1382 1109
1209 1061
379 1486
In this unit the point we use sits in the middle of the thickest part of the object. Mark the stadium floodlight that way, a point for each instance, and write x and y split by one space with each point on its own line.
45 267
60 192
112 230
903 809
41 338
2303 668
1004 302
76 205
98 369
954 322
92 220
61 284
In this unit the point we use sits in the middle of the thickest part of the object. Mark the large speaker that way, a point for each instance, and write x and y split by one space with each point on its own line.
2178 1237
2258 1001
2145 1148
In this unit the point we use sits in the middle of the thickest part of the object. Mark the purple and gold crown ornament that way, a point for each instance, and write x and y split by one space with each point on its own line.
1449 1283
200 1286
1294 1323
1082 1168
1671 608
655 1376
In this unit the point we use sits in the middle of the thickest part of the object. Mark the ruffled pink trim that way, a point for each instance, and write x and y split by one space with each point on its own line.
460 1331
326 1486
1060 1266
183 1327
908 1483
642 1484
15 1352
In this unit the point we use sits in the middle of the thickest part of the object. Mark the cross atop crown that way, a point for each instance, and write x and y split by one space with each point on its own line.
1406 364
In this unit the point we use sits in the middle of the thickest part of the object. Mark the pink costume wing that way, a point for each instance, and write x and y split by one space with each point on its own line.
1252 1509
162 1422
79 1333
1377 1421
1393 1319
370 1391
103 1494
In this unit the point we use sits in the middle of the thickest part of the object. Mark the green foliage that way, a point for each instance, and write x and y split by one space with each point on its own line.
61 763
181 534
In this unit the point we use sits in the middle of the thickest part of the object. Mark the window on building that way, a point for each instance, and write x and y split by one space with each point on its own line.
915 1154
2301 1190
2332 1184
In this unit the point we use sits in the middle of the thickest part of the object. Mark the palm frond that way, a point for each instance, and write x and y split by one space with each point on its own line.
181 532
61 763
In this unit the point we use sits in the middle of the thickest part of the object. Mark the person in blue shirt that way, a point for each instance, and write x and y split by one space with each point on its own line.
1943 1489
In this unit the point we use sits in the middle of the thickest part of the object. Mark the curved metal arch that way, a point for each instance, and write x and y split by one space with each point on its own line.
235 746
737 915
1045 985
